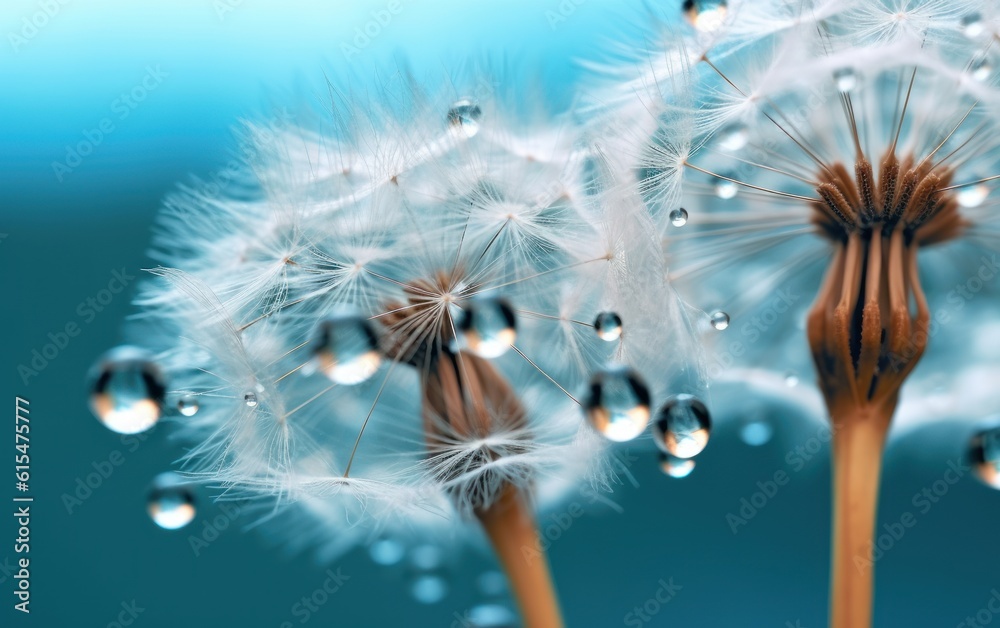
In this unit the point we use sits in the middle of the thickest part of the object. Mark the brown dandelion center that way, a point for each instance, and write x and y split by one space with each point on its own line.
865 338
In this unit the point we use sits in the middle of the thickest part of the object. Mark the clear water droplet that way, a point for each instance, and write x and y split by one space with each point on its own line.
973 195
171 503
428 589
188 405
386 552
491 583
984 453
719 320
676 467
756 433
608 326
973 25
346 348
682 426
250 399
426 557
726 189
127 390
846 80
734 137
617 403
981 68
791 379
490 616
679 217
487 325
705 15
464 117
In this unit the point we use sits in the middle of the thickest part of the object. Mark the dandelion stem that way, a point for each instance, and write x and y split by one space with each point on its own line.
858 441
511 529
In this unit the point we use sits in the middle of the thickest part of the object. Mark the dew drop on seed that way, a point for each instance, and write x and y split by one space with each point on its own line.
428 589
386 552
719 320
791 379
250 399
490 616
682 426
491 583
756 433
725 189
464 117
981 68
426 557
972 25
846 80
617 403
705 15
171 502
188 405
679 217
734 137
346 348
676 467
608 326
973 195
984 453
127 390
487 325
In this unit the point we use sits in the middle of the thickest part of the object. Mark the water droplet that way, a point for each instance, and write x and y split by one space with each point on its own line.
679 217
171 502
250 399
705 15
426 557
617 403
682 426
491 583
973 26
846 80
464 117
127 390
720 320
791 379
386 552
676 467
346 348
981 68
608 326
725 189
756 433
188 405
490 616
984 453
429 589
734 137
973 195
487 325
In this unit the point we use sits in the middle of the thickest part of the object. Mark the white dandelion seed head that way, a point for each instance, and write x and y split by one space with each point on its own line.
412 229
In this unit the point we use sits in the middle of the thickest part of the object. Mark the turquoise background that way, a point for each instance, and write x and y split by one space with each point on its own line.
65 238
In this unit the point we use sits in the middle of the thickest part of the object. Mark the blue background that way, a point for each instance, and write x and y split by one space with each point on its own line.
64 239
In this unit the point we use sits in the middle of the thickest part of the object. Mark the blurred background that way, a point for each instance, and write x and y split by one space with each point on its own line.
107 105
